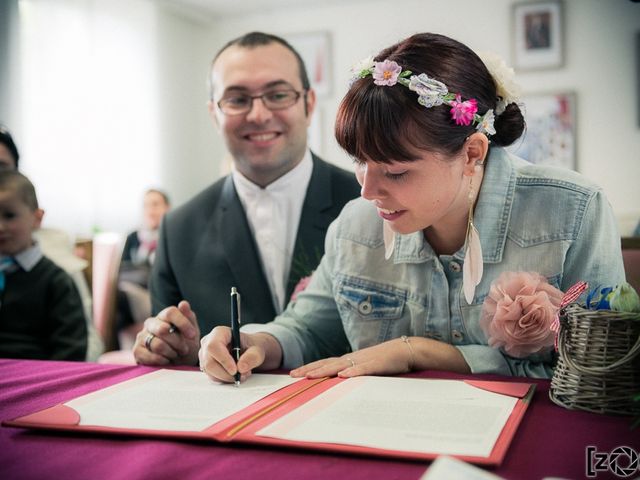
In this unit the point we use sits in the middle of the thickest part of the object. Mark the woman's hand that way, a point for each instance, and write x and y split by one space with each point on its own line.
259 350
394 356
399 355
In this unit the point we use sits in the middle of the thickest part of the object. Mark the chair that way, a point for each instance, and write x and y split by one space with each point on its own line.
107 250
631 260
56 244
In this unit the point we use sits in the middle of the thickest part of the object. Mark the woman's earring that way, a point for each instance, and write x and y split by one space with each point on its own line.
473 264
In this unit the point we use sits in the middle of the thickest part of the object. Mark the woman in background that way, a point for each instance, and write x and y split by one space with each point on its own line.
134 303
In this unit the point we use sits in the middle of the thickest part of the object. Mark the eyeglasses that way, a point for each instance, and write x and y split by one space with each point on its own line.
240 103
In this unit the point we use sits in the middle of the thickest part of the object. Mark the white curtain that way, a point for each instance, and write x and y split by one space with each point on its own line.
89 113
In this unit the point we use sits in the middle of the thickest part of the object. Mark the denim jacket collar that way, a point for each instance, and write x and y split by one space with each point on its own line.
491 216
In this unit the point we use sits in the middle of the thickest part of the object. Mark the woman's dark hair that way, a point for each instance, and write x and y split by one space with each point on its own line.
163 194
387 124
7 140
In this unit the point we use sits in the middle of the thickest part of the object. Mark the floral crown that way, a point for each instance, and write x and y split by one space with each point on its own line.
431 93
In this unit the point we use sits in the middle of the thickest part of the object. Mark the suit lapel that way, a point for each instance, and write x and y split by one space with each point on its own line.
314 221
241 251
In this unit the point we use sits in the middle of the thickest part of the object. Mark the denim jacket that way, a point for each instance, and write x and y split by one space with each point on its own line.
530 218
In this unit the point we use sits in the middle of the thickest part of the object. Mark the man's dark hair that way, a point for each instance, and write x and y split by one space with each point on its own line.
259 39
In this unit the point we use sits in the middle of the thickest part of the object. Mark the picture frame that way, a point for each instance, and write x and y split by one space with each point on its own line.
315 50
538 35
550 136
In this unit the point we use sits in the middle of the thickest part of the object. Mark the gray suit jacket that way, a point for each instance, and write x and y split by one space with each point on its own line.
206 247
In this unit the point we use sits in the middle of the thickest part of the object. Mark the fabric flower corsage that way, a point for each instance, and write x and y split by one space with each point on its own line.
518 313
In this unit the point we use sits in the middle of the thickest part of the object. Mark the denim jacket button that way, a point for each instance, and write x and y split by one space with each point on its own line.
365 307
457 335
454 267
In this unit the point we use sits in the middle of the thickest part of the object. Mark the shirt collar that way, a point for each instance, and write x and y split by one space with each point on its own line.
299 175
27 259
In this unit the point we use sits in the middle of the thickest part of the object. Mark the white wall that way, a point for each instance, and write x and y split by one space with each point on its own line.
112 102
599 67
114 99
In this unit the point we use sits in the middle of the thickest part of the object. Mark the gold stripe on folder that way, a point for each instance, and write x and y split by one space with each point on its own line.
234 430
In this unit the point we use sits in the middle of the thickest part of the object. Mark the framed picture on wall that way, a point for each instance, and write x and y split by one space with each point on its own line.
550 136
315 50
537 35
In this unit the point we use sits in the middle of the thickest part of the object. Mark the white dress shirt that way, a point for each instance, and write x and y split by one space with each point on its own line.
273 214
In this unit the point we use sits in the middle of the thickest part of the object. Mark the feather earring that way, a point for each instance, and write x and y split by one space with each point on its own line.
389 237
473 264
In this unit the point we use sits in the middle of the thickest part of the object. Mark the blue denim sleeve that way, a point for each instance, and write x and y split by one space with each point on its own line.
595 256
485 359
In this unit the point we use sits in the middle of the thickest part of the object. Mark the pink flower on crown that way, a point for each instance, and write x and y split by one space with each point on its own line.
386 73
462 112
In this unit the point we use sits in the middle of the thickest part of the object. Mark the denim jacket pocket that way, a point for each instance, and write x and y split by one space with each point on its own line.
369 311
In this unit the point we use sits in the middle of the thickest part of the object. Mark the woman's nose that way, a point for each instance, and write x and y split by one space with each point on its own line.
370 187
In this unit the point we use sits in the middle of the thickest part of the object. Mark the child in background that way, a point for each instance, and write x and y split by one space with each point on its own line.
41 315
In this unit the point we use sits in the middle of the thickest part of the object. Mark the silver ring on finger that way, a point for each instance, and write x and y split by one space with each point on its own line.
353 364
148 340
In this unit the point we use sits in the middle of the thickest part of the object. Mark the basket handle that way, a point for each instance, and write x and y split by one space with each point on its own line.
631 354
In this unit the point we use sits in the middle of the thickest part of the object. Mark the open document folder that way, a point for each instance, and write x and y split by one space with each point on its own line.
409 418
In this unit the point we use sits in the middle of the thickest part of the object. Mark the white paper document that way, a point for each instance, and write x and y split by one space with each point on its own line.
174 400
431 416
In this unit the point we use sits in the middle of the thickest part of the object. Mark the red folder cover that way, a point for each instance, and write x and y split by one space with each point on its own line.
243 425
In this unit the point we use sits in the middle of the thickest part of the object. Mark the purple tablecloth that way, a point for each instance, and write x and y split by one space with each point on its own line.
551 441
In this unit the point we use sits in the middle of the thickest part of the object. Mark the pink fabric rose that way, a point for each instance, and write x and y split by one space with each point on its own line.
300 286
518 313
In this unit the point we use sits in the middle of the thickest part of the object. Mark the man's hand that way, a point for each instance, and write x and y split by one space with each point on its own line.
171 337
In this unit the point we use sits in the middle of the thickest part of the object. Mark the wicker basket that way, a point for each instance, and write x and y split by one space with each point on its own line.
598 366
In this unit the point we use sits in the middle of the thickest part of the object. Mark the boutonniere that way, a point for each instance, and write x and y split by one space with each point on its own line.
300 286
518 313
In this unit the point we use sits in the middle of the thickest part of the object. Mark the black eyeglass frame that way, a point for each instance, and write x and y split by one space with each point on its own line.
303 93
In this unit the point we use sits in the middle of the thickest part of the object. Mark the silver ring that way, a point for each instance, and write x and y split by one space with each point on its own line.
353 364
148 340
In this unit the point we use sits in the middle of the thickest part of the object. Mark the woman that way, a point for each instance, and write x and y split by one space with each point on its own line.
426 123
138 254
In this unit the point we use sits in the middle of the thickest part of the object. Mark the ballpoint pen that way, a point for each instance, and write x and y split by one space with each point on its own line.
235 329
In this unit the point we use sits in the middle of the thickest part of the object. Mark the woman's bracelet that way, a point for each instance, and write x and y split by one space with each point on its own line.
405 339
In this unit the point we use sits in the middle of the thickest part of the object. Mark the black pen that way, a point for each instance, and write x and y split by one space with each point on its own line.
235 329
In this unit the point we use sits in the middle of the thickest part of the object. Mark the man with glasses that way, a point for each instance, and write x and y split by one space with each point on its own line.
261 228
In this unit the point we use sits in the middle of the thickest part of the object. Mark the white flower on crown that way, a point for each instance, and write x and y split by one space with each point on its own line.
485 125
508 90
364 66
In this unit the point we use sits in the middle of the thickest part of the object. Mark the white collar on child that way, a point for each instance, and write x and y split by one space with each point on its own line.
28 258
